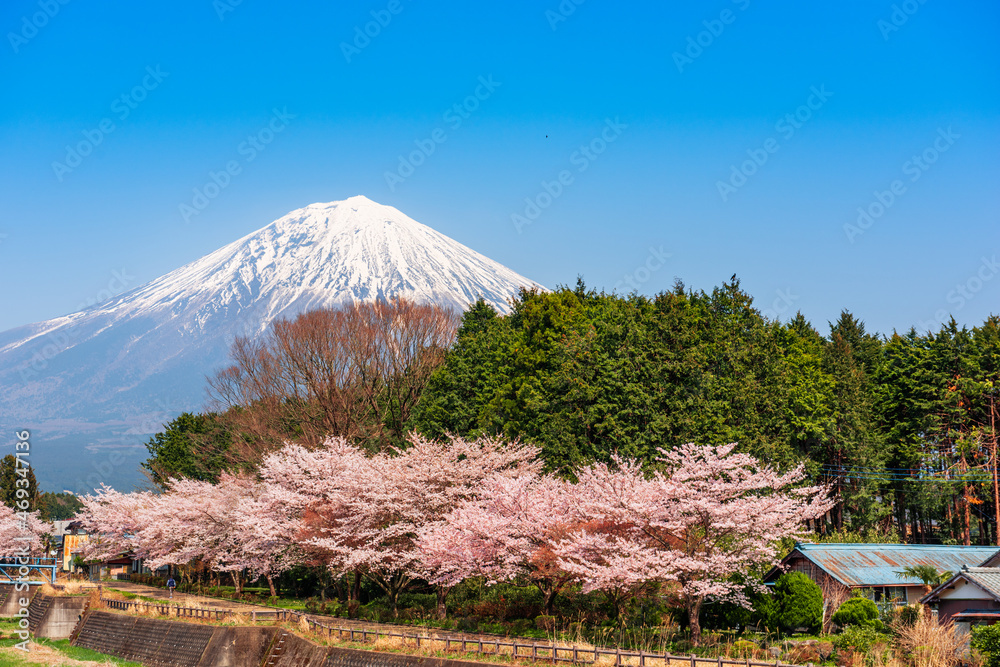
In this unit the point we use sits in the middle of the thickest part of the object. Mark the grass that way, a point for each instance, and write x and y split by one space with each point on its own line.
54 653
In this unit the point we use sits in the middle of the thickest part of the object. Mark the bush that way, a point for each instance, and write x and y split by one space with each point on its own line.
860 638
799 602
986 640
765 610
742 648
728 614
907 615
858 611
425 601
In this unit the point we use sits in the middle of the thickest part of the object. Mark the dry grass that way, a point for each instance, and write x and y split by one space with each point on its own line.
95 600
66 588
113 594
834 595
928 643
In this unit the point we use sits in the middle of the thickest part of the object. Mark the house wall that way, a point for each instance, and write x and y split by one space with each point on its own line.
825 581
961 597
72 544
948 608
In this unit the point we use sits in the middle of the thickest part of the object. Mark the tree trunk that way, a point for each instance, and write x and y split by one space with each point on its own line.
996 487
694 611
948 515
237 581
394 586
550 600
270 584
966 517
356 586
442 601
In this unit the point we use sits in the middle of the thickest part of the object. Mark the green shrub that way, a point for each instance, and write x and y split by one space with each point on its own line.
861 639
468 624
858 611
765 610
426 601
743 648
799 603
986 640
908 615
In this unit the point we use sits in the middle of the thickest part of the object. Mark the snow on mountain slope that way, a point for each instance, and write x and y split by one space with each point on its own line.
141 357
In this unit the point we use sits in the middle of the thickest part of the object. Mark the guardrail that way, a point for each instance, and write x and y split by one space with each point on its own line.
547 652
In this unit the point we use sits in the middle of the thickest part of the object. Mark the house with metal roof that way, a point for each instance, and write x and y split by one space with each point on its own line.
971 596
877 566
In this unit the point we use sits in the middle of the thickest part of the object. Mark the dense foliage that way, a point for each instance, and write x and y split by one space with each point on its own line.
857 611
798 603
191 446
986 640
58 506
904 427
17 483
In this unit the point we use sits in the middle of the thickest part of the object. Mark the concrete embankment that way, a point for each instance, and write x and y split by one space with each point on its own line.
161 643
55 617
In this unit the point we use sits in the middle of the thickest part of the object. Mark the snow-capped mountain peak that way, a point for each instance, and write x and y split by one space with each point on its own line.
142 356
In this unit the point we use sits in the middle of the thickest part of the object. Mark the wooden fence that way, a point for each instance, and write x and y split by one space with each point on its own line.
548 652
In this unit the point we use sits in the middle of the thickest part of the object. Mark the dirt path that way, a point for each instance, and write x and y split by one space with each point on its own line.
181 599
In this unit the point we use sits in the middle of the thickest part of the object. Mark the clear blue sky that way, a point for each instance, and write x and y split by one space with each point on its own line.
199 78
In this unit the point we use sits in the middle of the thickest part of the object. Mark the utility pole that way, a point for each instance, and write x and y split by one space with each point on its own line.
996 486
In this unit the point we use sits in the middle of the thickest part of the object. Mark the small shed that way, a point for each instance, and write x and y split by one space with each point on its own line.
847 566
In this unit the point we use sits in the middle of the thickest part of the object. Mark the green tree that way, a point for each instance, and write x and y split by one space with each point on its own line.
14 478
586 374
853 446
928 574
58 506
798 603
195 446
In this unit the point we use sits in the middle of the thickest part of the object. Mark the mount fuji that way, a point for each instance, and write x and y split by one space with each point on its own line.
92 386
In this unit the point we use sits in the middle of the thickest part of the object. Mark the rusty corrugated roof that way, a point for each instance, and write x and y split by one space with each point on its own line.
877 564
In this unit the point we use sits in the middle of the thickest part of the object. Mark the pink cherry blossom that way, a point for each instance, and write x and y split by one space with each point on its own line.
21 533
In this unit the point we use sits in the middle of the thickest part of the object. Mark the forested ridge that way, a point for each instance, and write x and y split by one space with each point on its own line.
902 425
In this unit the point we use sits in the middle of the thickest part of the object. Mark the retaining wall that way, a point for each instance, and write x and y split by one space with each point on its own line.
55 617
147 640
158 643
10 599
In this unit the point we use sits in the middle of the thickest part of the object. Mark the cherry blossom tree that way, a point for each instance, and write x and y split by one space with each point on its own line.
705 520
21 533
196 521
217 525
115 521
507 532
364 513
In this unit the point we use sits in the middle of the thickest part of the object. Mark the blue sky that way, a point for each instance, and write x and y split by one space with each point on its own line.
674 127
